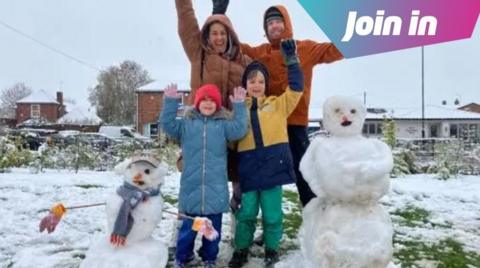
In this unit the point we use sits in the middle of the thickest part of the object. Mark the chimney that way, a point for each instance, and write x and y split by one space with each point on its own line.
60 97
61 107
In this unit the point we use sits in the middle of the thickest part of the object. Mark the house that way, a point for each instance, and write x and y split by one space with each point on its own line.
40 106
439 122
149 105
472 107
7 118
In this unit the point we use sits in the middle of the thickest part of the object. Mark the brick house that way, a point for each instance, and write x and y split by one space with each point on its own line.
40 105
149 105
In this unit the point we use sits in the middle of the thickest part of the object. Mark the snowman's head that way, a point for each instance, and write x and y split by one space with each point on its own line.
143 172
343 116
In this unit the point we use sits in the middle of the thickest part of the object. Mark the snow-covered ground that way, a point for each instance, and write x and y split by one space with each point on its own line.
452 210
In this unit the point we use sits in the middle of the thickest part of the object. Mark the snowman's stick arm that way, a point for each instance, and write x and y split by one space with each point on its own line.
86 206
75 207
179 214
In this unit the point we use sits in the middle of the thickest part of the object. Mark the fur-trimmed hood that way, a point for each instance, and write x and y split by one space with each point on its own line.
192 113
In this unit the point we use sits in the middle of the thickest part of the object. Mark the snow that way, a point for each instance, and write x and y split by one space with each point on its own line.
40 96
158 86
80 115
22 194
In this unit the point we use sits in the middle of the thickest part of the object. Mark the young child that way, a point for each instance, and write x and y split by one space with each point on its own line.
264 158
203 133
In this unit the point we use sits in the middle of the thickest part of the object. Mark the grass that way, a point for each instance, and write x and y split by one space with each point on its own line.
170 199
413 252
292 219
447 253
412 216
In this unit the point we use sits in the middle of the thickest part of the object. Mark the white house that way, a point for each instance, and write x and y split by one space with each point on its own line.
439 122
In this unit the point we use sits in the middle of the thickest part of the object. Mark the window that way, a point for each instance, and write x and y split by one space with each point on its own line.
453 131
372 129
35 111
434 131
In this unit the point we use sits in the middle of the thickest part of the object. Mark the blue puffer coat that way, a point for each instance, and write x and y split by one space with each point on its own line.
204 184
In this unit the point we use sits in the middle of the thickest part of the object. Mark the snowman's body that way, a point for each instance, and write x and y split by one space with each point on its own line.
147 216
345 226
140 249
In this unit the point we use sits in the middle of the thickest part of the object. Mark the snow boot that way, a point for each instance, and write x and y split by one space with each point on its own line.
239 258
271 257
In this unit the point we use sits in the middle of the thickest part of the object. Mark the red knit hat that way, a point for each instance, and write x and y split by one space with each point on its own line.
211 91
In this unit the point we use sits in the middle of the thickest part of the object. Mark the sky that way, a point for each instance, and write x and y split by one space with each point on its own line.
105 33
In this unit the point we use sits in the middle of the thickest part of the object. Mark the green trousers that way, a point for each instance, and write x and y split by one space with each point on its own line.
271 203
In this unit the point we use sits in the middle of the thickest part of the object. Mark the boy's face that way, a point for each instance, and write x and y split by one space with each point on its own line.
207 107
275 28
217 37
256 85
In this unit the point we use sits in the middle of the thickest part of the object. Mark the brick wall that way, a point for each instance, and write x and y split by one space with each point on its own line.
149 107
47 111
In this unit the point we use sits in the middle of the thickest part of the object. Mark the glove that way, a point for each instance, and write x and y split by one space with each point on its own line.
289 51
219 6
288 48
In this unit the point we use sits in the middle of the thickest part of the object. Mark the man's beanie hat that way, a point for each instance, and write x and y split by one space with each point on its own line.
255 66
208 91
273 13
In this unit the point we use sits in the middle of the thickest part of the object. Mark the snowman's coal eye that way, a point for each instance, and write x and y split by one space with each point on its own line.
353 111
147 171
337 110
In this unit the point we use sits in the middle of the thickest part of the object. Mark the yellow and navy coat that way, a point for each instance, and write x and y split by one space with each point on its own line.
264 157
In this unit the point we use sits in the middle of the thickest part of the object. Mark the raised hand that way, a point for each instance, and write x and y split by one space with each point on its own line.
171 91
239 94
288 47
219 6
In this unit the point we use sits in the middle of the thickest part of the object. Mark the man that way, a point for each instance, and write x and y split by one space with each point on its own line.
277 26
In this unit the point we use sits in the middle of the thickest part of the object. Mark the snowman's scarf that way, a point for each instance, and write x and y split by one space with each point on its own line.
131 196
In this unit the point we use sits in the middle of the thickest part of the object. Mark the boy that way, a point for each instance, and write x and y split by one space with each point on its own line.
203 133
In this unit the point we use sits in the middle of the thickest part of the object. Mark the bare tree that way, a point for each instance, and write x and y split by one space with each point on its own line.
114 95
10 96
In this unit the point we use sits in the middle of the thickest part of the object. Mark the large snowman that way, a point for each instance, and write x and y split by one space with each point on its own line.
345 226
133 212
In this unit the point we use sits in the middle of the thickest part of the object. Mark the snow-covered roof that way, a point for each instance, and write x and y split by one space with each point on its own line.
39 96
159 86
432 112
80 116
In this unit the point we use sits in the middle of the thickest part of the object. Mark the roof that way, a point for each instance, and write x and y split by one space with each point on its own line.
80 116
39 96
159 86
432 112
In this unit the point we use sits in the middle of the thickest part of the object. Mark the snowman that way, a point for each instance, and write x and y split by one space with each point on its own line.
344 226
133 212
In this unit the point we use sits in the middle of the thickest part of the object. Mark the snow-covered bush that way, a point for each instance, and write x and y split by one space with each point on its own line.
448 159
404 162
13 155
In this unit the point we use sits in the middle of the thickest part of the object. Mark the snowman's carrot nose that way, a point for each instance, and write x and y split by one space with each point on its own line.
138 177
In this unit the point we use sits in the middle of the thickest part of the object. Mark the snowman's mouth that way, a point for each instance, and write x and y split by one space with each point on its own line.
141 183
346 123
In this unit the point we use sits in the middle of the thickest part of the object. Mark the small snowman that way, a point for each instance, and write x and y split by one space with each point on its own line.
344 226
133 212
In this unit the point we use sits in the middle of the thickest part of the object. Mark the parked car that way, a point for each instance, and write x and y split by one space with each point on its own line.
122 133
